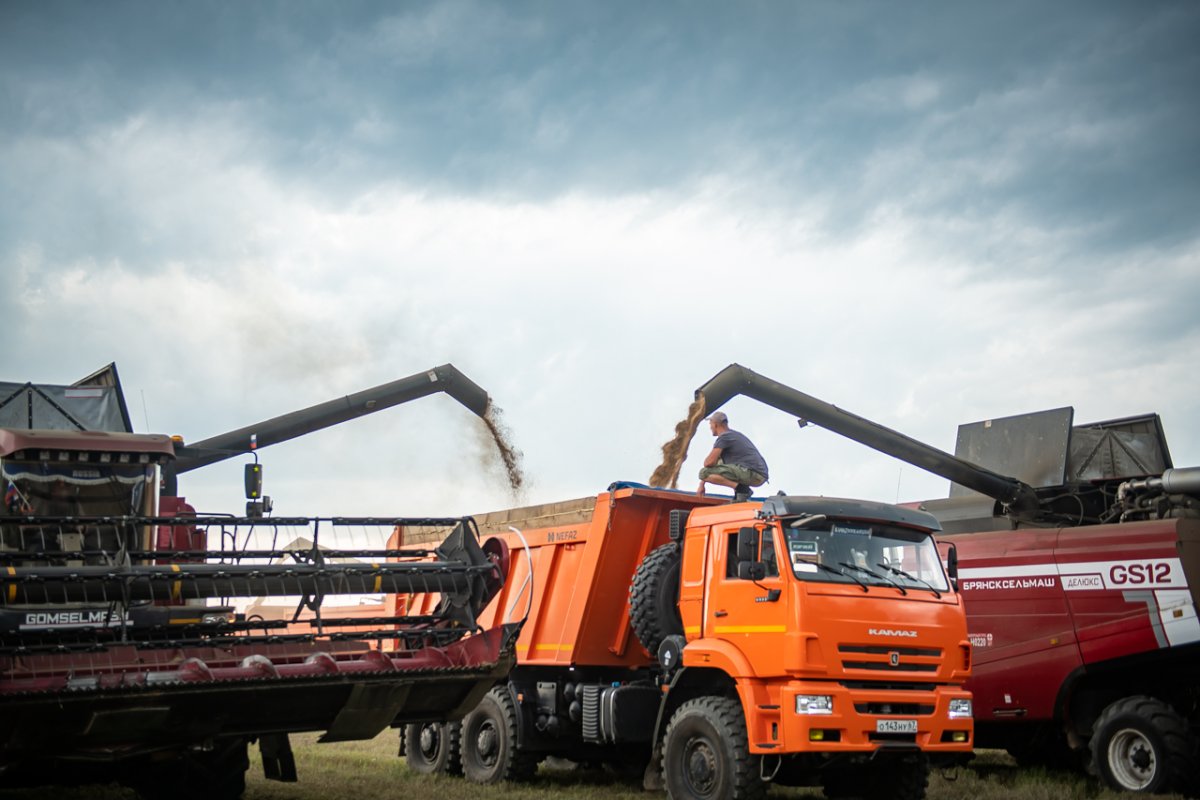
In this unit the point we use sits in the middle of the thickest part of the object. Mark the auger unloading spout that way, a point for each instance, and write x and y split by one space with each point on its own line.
445 378
1016 496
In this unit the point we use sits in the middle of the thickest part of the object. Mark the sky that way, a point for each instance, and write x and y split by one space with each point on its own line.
927 213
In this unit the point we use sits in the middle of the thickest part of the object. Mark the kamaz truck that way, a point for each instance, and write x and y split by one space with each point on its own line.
717 648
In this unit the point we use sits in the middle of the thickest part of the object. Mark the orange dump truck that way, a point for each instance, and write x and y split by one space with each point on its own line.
719 647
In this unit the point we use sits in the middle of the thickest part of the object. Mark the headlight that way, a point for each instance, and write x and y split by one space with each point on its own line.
960 709
814 704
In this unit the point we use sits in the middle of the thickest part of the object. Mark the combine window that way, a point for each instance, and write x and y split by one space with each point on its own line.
34 488
61 492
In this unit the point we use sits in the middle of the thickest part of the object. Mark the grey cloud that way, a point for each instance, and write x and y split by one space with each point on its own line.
133 133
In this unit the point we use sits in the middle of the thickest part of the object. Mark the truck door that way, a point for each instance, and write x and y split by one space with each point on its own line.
751 615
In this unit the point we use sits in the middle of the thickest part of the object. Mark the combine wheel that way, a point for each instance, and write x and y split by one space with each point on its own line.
434 747
1140 744
489 741
654 597
706 755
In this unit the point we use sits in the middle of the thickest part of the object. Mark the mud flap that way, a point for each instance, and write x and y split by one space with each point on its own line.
279 764
370 709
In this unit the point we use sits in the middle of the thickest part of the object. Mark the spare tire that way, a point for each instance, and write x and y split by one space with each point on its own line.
654 597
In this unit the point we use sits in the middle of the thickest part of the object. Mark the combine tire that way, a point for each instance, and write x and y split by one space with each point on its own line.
654 597
489 741
434 747
1140 744
706 755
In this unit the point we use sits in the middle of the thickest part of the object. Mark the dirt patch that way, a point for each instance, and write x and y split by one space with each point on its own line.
674 452
498 453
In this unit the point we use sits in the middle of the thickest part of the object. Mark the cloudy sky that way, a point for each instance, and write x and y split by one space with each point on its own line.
926 213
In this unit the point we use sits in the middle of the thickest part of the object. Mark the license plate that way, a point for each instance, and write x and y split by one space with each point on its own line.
895 726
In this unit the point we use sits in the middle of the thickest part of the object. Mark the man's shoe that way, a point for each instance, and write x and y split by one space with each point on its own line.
741 493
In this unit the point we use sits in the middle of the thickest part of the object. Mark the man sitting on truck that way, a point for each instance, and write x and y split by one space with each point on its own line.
734 461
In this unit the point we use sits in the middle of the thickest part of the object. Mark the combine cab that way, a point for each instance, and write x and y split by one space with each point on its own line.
126 653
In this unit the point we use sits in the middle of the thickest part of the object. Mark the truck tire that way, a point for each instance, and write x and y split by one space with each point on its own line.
1140 744
434 747
489 741
654 597
706 754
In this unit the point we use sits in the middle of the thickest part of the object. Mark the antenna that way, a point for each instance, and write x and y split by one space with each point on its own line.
145 414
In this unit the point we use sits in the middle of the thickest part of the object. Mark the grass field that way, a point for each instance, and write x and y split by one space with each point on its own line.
371 771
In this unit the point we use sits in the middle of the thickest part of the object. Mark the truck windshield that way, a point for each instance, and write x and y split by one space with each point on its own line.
35 488
869 553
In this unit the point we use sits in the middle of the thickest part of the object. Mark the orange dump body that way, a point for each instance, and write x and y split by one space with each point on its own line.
582 556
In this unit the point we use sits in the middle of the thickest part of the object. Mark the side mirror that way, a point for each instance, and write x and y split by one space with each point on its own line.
752 570
747 545
952 565
254 481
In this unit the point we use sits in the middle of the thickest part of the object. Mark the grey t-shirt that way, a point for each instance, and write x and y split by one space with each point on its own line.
737 449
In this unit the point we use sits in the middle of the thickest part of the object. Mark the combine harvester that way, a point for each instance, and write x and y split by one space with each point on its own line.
121 657
1081 580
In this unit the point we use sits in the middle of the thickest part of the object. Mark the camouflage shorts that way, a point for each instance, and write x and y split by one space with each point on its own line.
734 472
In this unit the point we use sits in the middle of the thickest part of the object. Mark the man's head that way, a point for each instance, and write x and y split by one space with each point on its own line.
718 423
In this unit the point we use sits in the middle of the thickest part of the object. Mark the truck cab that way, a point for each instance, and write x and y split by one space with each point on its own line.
840 632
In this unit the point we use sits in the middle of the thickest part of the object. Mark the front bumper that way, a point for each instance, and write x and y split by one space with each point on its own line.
854 724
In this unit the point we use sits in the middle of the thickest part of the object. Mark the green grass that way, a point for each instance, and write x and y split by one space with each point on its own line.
372 771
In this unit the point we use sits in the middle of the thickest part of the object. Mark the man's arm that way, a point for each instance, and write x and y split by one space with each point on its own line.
712 458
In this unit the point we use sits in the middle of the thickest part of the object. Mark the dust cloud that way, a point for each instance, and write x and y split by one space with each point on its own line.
497 453
675 451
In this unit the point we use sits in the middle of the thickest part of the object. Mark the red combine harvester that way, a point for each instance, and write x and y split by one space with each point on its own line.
123 653
1081 580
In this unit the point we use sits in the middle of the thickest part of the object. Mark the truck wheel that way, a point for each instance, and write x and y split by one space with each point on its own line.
1140 744
433 747
654 597
489 741
706 754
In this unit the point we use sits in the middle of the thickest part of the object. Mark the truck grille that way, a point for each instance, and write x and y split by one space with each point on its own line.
905 709
884 658
889 686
